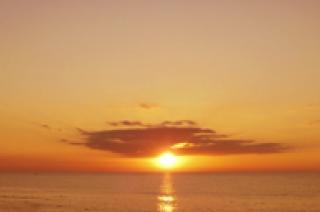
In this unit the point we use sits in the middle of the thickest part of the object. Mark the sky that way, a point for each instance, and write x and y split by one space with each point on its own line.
109 85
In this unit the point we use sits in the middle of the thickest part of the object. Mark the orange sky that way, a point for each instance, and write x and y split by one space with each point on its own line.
249 70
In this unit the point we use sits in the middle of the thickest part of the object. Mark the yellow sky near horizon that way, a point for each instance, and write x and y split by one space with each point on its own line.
249 69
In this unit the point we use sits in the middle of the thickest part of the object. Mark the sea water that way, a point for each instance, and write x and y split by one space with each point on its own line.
160 192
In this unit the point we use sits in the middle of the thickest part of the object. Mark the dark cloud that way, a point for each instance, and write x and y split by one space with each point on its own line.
182 137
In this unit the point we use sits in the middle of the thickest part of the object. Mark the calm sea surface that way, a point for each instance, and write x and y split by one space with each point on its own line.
160 192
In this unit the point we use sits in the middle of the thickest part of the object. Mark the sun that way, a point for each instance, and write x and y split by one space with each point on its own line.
167 160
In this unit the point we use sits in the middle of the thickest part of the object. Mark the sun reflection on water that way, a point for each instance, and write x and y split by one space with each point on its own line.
166 199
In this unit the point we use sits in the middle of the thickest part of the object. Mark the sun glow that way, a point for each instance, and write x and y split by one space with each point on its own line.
167 160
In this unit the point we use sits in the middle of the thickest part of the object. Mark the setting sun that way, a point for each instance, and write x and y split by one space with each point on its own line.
167 160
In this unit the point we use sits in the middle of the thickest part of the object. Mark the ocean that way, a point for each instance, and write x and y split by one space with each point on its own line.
160 192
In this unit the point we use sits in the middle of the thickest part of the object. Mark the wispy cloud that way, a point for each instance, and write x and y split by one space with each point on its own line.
314 122
48 127
178 123
148 106
45 126
126 123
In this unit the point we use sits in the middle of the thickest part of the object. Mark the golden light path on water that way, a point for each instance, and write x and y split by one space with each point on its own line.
166 199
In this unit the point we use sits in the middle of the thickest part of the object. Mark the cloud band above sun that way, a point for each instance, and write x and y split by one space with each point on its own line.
185 137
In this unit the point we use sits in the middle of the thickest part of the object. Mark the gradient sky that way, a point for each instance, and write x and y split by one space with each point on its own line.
246 69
